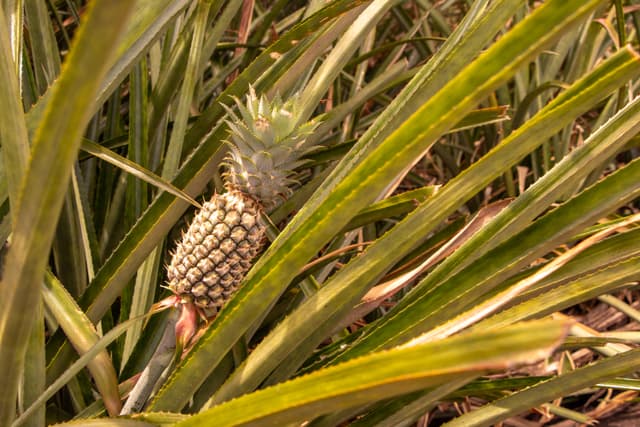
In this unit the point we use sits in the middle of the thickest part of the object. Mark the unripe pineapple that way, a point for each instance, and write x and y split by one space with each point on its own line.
216 252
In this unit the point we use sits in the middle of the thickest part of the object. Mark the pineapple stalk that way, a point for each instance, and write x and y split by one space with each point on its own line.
266 145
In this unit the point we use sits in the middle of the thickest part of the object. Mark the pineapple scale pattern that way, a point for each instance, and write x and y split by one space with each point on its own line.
216 252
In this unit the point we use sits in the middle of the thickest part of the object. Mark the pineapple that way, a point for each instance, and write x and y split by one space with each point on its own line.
266 144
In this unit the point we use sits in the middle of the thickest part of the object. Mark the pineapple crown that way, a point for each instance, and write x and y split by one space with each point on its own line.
265 147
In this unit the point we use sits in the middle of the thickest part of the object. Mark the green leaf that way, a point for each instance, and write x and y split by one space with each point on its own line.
77 366
135 169
111 422
567 295
137 199
340 55
621 384
46 56
173 73
34 369
392 206
481 117
405 410
82 335
13 130
58 137
382 375
174 151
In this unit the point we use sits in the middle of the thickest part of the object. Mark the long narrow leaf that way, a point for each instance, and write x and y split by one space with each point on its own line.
135 170
385 374
58 138
605 280
83 336
77 366
13 129
340 54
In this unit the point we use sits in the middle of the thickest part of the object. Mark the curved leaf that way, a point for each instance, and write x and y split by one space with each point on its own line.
78 365
13 129
136 170
83 336
58 137
386 374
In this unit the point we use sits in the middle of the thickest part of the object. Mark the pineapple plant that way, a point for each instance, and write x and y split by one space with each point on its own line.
266 145
395 82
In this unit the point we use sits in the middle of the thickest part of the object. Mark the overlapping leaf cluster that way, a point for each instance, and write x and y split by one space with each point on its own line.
477 176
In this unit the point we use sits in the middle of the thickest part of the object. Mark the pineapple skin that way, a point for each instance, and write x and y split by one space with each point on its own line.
217 250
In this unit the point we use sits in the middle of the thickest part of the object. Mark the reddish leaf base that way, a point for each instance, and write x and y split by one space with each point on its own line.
187 324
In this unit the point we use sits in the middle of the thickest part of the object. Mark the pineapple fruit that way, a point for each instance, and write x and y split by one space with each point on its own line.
266 144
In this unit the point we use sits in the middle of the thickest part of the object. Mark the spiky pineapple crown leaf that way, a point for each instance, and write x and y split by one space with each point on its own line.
266 144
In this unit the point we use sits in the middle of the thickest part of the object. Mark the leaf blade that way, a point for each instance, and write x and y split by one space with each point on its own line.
58 137
385 374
